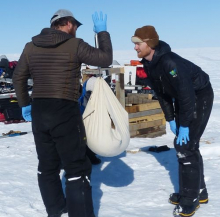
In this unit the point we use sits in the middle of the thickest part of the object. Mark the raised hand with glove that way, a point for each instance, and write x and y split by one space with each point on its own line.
26 113
99 22
173 126
183 135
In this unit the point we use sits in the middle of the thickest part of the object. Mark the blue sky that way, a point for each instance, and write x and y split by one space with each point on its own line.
181 23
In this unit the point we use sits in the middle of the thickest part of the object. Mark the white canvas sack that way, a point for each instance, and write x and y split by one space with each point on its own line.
106 122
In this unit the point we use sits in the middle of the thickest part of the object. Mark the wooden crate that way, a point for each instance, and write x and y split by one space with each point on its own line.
149 105
146 120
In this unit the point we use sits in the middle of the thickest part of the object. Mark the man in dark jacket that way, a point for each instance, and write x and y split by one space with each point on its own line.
186 97
53 59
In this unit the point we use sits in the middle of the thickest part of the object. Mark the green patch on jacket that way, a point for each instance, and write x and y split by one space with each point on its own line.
173 73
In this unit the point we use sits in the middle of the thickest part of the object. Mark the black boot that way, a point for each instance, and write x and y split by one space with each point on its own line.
186 207
203 197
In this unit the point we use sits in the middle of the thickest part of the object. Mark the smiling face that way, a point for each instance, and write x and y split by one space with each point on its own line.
144 51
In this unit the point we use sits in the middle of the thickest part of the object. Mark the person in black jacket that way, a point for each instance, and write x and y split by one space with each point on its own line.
186 98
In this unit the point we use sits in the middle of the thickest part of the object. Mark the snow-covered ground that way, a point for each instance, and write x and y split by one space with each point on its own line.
129 185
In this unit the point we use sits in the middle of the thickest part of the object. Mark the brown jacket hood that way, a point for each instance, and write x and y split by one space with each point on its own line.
50 38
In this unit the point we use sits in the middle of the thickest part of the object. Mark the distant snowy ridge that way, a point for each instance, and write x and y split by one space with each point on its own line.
124 56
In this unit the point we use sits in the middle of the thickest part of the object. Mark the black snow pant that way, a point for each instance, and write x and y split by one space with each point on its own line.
191 171
60 138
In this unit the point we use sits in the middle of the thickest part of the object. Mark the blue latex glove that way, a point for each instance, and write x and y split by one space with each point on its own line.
173 126
99 23
26 113
183 135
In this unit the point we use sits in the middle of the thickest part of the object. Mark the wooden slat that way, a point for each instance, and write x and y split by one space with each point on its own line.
136 98
145 124
149 132
107 71
147 118
152 135
152 104
138 116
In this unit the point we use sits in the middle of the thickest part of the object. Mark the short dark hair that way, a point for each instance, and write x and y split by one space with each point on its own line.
62 22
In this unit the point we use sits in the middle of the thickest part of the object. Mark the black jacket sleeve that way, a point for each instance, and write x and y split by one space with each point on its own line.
166 104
